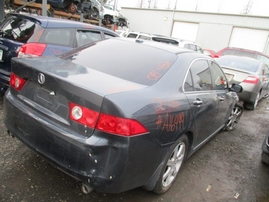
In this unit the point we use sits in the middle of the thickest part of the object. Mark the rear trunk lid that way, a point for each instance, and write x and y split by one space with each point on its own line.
235 75
52 83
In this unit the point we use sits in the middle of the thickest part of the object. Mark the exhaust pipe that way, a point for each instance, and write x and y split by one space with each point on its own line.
86 188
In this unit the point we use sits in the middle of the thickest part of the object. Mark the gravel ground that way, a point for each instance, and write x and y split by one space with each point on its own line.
228 168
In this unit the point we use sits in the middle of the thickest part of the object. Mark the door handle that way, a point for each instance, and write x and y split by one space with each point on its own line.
197 102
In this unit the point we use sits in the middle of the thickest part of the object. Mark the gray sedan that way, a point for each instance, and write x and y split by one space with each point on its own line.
250 73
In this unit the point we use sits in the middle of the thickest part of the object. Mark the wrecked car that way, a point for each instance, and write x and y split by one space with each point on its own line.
117 124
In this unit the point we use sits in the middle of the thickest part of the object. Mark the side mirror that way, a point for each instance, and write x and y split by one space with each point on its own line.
236 88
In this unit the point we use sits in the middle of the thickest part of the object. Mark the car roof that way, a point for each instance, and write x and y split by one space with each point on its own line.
51 22
243 49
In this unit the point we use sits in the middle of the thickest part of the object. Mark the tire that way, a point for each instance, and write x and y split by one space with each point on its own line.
173 162
234 117
253 105
265 158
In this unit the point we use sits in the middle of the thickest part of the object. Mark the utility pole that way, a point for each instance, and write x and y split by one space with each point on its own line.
44 7
2 10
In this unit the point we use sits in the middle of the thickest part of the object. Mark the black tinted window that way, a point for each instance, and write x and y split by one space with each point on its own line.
201 75
129 61
132 35
21 30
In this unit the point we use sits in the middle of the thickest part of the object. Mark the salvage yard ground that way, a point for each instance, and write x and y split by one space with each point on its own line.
228 168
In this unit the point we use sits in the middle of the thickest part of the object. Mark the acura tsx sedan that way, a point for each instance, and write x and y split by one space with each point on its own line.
122 121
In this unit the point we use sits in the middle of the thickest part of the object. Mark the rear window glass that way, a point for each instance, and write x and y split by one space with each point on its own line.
247 54
239 63
21 30
133 62
229 52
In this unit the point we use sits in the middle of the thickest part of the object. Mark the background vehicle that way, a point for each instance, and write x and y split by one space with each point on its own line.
243 52
28 35
164 39
97 123
210 53
251 74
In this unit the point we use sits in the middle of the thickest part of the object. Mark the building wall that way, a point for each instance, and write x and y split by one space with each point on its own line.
214 30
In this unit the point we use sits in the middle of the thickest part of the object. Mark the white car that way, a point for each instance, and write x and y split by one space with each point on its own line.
164 39
107 14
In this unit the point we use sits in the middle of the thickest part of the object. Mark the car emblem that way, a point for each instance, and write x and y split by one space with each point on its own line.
41 78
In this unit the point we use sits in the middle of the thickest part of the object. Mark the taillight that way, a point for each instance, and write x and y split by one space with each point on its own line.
119 126
16 81
31 50
251 79
83 115
104 122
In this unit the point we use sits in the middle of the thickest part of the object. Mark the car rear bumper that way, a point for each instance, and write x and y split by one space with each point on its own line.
247 96
108 163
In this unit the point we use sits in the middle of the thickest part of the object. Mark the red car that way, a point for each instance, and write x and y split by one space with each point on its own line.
243 52
209 52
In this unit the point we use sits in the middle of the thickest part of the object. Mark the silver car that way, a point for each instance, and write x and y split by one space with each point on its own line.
251 74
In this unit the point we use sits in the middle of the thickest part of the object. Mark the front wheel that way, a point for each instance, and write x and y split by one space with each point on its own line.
173 163
234 117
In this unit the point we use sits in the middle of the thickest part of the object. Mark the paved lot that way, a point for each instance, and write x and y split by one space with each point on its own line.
228 168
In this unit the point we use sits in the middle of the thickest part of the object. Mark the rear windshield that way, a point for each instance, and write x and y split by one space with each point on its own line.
20 30
239 63
133 62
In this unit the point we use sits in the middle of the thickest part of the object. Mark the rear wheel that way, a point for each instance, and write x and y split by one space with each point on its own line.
265 158
254 104
172 165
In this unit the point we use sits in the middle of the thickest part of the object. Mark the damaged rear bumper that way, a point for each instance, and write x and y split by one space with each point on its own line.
108 163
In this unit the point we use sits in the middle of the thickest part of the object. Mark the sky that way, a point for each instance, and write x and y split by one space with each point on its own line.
253 7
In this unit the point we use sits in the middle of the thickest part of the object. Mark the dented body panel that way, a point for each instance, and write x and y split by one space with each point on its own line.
153 95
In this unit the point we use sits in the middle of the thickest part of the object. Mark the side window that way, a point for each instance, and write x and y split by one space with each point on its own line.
107 35
188 85
263 59
192 47
131 35
187 46
201 75
87 36
199 49
218 77
57 36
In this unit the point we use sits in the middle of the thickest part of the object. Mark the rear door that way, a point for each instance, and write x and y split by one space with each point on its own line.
202 98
